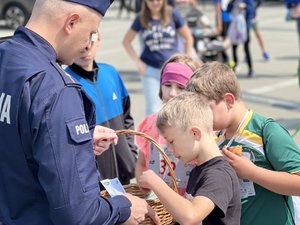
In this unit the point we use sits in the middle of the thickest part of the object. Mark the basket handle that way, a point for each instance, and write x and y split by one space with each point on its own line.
161 151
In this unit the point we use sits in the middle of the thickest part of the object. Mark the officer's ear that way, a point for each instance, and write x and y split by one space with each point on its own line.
71 21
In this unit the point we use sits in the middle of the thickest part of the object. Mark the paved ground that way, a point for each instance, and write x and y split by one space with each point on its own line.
274 91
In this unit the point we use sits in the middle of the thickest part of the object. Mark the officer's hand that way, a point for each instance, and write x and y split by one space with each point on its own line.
103 137
139 209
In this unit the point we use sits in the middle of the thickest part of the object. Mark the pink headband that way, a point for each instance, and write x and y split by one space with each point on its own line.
176 72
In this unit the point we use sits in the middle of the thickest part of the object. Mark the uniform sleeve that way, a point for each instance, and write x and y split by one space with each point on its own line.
280 148
178 19
62 148
212 187
136 25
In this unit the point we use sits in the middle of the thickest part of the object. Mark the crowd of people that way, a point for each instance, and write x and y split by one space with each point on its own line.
162 31
60 110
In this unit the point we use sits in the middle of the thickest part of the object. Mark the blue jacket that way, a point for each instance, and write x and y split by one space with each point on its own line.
250 10
226 17
291 3
47 168
106 88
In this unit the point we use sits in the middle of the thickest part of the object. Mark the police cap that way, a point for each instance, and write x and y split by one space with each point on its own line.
99 5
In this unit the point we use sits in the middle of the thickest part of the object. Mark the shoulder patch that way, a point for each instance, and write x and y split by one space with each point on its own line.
79 130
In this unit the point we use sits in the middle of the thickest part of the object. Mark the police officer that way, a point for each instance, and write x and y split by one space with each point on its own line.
47 169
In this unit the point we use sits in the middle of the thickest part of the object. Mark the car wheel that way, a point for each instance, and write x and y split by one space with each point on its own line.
15 15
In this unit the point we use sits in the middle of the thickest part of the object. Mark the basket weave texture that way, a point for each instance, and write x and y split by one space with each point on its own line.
163 214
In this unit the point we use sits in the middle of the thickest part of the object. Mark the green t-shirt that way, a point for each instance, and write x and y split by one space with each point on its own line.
270 146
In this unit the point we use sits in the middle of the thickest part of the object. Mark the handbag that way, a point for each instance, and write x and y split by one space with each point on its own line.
237 31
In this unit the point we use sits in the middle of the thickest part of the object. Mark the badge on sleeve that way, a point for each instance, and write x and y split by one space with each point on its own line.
79 130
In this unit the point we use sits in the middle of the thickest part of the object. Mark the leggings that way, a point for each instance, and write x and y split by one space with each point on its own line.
247 52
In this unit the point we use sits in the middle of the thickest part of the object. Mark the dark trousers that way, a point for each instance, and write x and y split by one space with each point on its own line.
225 26
246 50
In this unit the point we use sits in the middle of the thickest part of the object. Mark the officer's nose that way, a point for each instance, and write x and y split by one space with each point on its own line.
88 47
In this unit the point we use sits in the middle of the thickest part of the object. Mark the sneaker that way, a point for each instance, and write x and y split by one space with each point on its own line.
266 56
251 74
236 69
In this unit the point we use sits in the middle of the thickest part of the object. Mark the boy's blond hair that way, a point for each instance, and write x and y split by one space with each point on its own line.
185 110
213 80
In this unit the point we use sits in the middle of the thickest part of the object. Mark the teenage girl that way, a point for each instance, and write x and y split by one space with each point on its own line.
160 28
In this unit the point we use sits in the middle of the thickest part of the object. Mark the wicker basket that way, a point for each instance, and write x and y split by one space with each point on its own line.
163 214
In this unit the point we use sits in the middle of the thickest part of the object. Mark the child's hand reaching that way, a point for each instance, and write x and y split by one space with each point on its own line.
148 179
153 215
243 166
144 190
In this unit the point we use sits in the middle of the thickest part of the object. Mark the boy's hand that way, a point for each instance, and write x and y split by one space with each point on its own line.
147 179
241 164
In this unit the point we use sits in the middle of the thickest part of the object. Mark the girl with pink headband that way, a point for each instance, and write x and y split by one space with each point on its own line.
175 74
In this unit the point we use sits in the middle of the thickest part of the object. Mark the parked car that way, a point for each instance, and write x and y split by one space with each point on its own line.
15 12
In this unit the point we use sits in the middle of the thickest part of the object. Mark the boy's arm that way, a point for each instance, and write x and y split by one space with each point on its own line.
283 183
183 210
140 168
283 155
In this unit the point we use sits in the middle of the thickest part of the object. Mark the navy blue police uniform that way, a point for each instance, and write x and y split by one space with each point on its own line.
47 168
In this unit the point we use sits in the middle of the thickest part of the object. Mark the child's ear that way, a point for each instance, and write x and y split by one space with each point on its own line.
229 99
196 133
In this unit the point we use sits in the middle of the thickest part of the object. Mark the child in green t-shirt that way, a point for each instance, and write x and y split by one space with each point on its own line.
270 168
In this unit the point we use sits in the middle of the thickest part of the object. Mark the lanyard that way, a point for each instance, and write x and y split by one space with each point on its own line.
237 130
